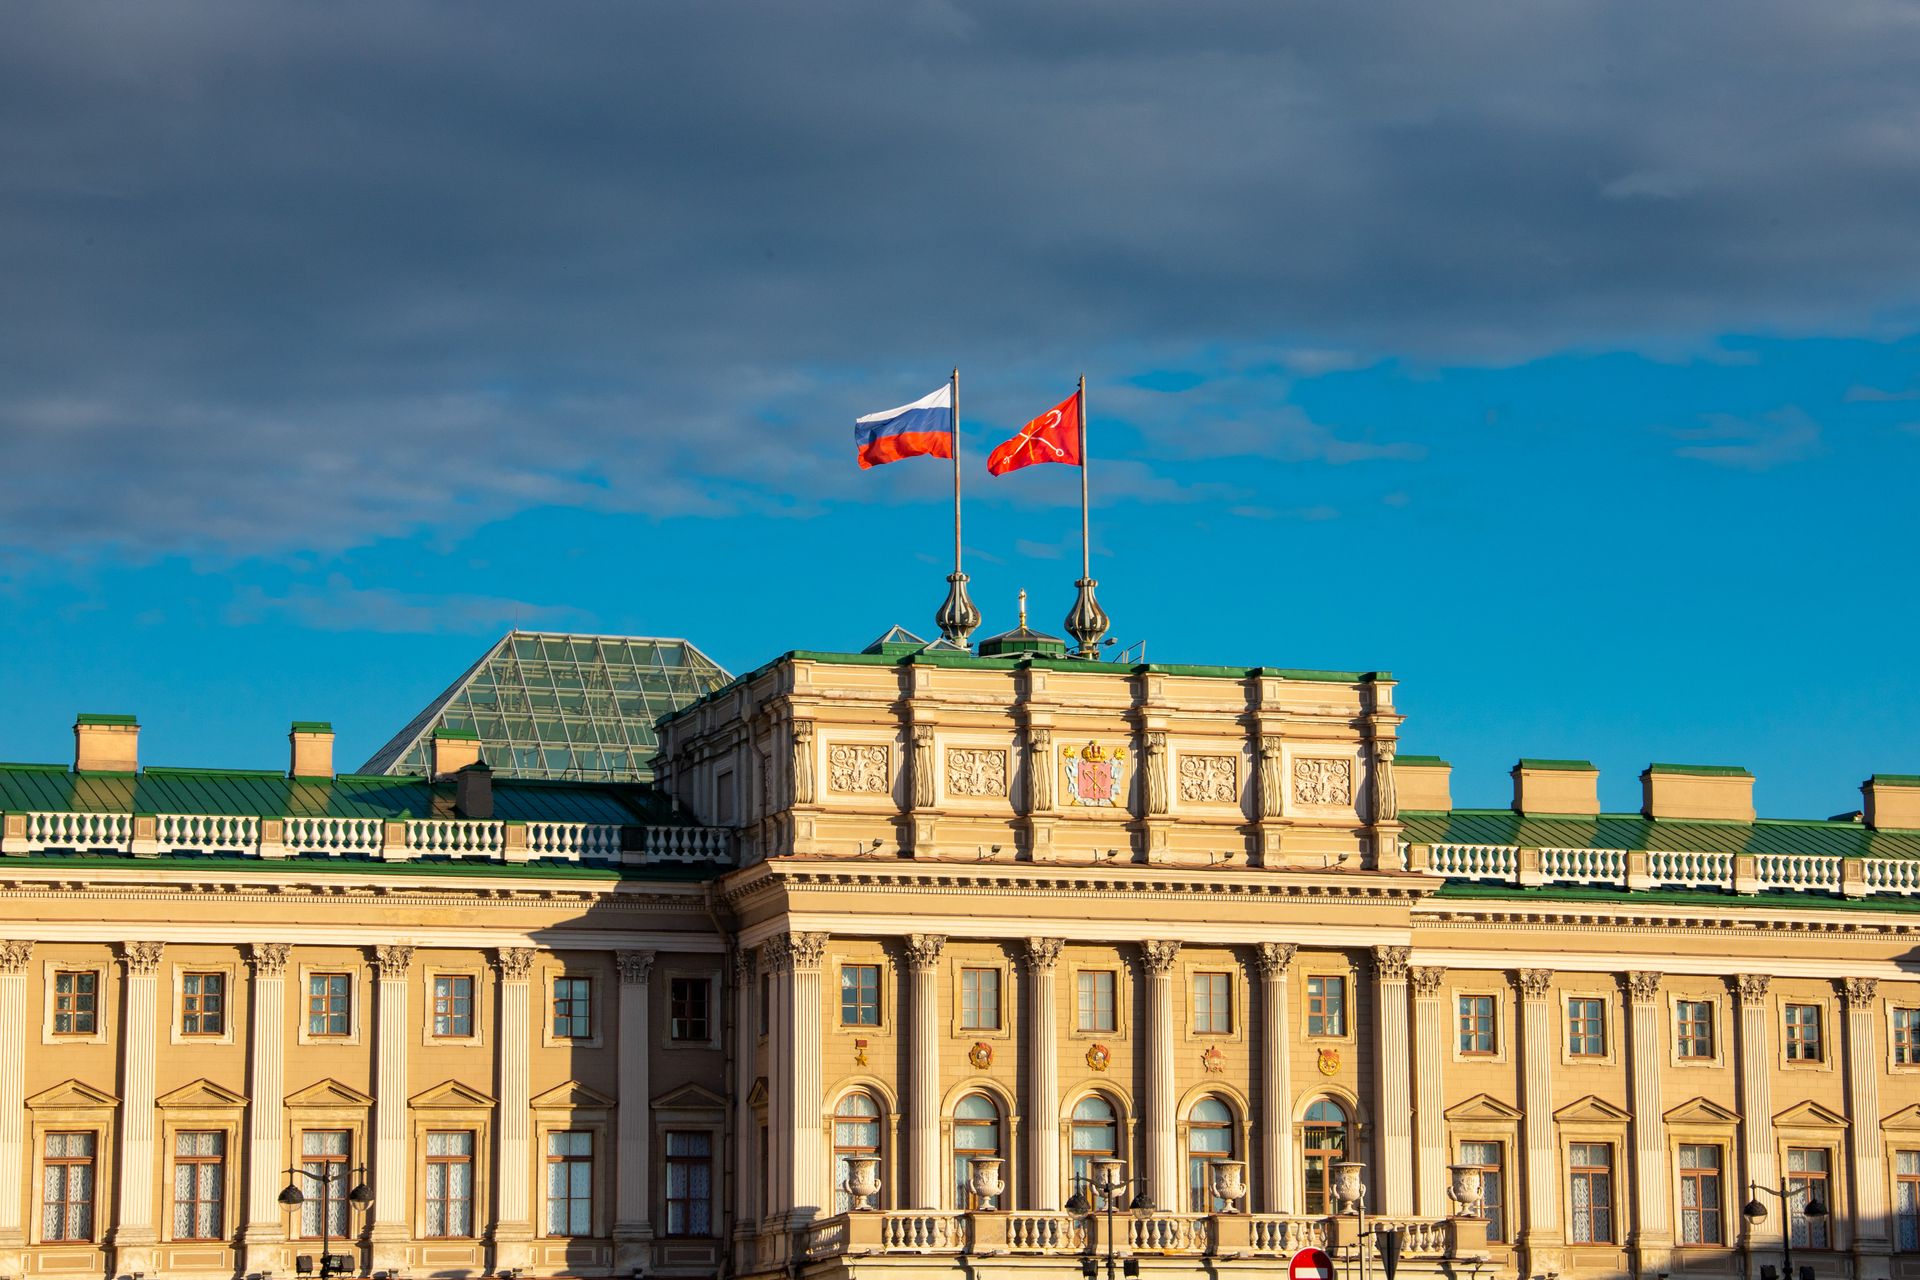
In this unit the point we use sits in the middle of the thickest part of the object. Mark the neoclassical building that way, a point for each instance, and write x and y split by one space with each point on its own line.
903 950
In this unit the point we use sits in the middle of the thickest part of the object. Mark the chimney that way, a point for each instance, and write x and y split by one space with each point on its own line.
1423 783
1717 792
453 750
473 791
312 742
1556 786
1892 801
106 744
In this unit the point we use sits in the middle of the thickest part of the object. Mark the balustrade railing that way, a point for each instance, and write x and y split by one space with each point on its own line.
457 837
207 833
1474 861
1169 1233
599 842
922 1231
1281 1234
686 844
335 837
1690 870
1892 875
1584 866
83 832
1046 1233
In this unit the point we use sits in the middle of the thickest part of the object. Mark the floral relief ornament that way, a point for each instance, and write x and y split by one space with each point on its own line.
858 770
1210 779
981 1055
976 772
1099 1056
1320 781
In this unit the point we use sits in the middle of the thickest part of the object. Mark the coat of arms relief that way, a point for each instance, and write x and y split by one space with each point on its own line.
1093 776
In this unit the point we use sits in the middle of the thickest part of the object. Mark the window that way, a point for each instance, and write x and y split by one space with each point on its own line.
1591 1165
453 1008
199 1185
856 1132
1209 1138
1906 1201
450 1182
1693 1029
1700 1221
1803 1033
1212 1006
1096 1135
1096 1012
1323 1144
328 1007
323 1155
203 1004
1326 1006
570 1180
689 1183
687 1009
976 1132
860 995
1906 1037
1586 1028
1476 1024
1807 1169
76 1009
1486 1156
66 1187
573 1009
980 999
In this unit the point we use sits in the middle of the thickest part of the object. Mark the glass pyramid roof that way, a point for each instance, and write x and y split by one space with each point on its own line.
548 705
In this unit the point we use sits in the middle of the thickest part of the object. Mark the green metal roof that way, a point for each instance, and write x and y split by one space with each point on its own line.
1569 766
96 717
1634 832
1701 770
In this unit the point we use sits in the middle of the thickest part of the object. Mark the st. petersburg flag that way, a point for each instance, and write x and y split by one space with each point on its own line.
923 427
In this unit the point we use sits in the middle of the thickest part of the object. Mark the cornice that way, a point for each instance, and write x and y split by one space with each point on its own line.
688 897
1721 922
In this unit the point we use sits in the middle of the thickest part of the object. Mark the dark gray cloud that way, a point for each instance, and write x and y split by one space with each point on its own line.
301 276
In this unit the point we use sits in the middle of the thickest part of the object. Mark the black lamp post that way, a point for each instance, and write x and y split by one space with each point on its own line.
1108 1190
292 1197
1755 1213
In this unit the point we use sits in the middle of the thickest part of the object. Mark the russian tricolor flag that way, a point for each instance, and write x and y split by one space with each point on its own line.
923 427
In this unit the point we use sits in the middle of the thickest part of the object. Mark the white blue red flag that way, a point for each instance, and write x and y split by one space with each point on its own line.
923 427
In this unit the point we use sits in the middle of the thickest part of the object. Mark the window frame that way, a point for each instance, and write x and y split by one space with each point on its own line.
1895 1180
668 1164
1610 1028
595 1146
957 1023
1787 1024
1590 1172
301 1159
859 1006
708 979
228 977
1827 1179
1311 975
838 1150
471 1159
222 1227
44 1160
1894 1064
1681 1038
1719 1208
476 1006
102 1005
356 976
1461 1028
1573 1044
596 1019
1223 980
1003 1143
1494 1175
1116 1011
1233 1127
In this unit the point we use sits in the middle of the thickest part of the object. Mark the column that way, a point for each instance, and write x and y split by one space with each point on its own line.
392 1188
1541 1234
1756 1108
513 1210
14 1157
746 1178
1043 1073
778 960
134 1235
1653 1211
1163 1155
633 1160
1393 1153
1429 1091
812 1196
1870 1206
1276 1086
924 1182
266 1231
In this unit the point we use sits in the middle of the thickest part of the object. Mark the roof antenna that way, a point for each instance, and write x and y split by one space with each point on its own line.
1023 608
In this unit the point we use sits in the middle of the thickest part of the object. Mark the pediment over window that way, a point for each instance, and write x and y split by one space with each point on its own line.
1482 1107
201 1095
71 1095
450 1093
1809 1115
573 1096
757 1096
1904 1118
1701 1111
329 1093
690 1097
1590 1110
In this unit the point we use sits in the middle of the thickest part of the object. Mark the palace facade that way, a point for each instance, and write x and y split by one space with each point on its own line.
903 951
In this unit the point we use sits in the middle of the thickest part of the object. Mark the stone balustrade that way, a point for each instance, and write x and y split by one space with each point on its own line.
1853 877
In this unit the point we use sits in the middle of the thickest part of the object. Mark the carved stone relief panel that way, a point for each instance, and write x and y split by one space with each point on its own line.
1323 783
1210 779
976 771
860 770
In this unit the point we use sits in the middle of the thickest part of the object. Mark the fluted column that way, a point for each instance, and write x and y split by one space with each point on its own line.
14 959
1543 1237
1653 1227
779 976
1391 1064
1043 1073
134 1233
746 1156
812 1196
1870 1206
1163 1154
1272 959
924 1183
266 1228
633 1160
1429 1095
513 1209
1756 1103
392 1191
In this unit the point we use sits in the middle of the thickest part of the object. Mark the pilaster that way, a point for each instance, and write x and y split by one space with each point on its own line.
746 1177
14 958
1653 1213
263 1238
1871 1244
1542 1237
1756 1104
812 1196
134 1233
1428 985
1391 1064
1163 1156
1272 959
924 1183
1043 1077
633 1162
513 1215
779 976
392 1190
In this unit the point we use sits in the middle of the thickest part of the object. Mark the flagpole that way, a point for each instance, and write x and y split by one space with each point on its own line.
955 451
1087 622
956 616
1086 570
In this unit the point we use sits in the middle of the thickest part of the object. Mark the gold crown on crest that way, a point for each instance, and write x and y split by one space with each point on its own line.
1095 752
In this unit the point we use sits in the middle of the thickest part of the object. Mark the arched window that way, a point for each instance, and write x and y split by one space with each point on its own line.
1096 1136
1323 1143
976 1132
856 1132
1209 1138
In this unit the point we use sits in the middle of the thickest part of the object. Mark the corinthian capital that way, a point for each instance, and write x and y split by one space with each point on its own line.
142 957
269 959
1043 954
1273 958
14 956
1159 956
1535 983
394 959
1390 963
515 963
923 949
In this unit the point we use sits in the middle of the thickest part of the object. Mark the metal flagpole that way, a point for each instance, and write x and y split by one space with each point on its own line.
1086 570
956 616
955 451
1087 622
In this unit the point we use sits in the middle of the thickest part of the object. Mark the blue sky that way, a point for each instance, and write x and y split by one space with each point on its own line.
1560 362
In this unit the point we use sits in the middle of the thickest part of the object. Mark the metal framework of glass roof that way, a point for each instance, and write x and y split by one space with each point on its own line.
549 705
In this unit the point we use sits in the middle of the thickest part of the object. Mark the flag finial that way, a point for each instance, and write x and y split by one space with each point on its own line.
957 616
1023 607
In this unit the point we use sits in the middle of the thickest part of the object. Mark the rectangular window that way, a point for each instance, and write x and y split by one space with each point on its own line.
203 1004
66 1187
1906 1201
453 1005
199 1185
1803 1033
980 999
1700 1221
1326 1006
687 1009
570 1183
1693 1029
1095 994
76 1002
689 1183
323 1158
1906 1037
1807 1179
1586 1028
1493 1190
1591 1165
328 1004
1476 1024
860 995
1212 1005
573 1008
450 1184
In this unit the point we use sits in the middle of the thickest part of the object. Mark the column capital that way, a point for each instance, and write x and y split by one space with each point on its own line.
803 731
1042 955
269 959
1643 986
393 959
745 964
1390 963
1534 983
14 956
1751 987
1273 959
635 966
515 963
791 952
923 949
1158 957
1426 979
142 957
1858 992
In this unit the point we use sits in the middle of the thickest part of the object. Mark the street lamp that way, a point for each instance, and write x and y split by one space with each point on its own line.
360 1197
1108 1185
1755 1213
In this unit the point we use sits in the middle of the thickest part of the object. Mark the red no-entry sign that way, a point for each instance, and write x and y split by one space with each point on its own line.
1310 1264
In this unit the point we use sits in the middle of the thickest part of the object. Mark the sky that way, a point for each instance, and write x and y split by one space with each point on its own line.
1561 358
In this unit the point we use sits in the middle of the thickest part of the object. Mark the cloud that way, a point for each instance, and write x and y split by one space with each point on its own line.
1874 395
339 605
1753 444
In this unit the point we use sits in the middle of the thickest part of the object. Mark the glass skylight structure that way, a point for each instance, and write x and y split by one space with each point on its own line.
547 705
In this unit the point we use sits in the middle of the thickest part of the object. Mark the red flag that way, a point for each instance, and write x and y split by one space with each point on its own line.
1054 436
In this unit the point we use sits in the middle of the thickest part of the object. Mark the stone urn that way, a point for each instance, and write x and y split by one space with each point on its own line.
1348 1190
984 1180
1229 1182
1466 1187
863 1180
1108 1174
